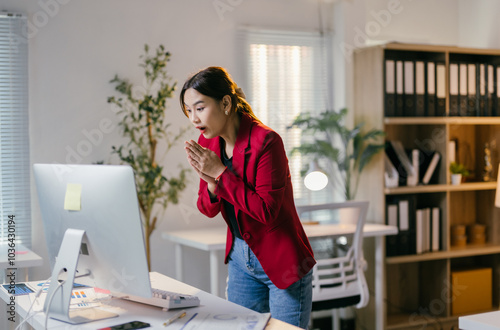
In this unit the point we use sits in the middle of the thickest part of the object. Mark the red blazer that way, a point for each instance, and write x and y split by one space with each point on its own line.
260 189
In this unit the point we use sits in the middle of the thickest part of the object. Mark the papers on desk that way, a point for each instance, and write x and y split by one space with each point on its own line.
81 298
222 321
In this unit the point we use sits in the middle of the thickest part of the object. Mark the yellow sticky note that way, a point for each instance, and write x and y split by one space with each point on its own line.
73 198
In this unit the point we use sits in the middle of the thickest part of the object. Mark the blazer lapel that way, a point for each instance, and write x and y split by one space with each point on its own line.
241 149
242 146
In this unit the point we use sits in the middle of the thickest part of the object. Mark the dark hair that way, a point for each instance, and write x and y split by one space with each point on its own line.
216 83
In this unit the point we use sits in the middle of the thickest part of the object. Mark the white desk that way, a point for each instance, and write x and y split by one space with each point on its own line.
130 311
23 258
214 240
483 321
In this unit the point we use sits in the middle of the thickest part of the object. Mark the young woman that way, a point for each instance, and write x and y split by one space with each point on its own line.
244 174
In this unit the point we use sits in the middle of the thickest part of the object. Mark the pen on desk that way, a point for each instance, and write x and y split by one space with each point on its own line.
192 317
179 315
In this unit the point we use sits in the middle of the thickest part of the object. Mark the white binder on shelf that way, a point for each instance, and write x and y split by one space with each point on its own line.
432 167
391 176
412 179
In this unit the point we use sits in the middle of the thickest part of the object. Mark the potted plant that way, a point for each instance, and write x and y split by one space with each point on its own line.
142 111
347 150
458 171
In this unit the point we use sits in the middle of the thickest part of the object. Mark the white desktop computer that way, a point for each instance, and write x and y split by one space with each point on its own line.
94 233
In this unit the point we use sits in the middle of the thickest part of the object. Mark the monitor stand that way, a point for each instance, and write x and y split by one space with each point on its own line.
59 296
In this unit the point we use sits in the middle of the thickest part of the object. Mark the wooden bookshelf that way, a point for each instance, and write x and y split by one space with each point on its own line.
417 282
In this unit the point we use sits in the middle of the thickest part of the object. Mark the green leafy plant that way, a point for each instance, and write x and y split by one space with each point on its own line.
457 168
348 150
142 111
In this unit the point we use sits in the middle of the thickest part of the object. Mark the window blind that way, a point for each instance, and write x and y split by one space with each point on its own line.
286 74
15 201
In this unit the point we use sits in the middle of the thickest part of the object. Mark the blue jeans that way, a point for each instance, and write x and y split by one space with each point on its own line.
249 286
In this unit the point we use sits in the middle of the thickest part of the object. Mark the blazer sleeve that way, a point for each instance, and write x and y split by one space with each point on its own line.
208 206
263 198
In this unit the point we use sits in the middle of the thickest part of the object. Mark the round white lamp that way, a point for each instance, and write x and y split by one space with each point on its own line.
315 178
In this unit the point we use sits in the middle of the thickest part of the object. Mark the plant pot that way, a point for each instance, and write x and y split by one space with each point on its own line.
456 179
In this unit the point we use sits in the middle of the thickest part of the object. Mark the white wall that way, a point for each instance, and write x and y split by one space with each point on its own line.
479 24
78 46
360 23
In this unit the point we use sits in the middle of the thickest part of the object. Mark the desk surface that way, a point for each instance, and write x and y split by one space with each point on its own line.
214 240
483 321
208 239
130 311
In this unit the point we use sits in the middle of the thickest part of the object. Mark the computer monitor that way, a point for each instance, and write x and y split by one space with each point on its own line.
94 233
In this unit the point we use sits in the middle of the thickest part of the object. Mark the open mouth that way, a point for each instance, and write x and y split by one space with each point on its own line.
202 129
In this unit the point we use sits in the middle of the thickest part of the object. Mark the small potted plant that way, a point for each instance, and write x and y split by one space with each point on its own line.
458 171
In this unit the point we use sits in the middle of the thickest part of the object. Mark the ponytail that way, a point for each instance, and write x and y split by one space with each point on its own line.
242 106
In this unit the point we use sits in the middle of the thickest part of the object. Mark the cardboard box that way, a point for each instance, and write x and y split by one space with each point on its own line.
471 291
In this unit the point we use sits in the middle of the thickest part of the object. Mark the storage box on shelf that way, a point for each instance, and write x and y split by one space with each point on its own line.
435 99
472 291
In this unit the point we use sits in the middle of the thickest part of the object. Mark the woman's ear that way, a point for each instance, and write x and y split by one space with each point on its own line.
226 103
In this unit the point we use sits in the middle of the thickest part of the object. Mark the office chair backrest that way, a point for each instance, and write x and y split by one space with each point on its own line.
340 281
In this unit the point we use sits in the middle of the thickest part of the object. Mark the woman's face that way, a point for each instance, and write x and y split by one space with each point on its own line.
205 113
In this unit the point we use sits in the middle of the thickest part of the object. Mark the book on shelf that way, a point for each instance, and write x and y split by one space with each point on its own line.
471 89
427 236
404 160
404 242
409 89
431 170
482 91
399 89
406 226
394 159
392 241
427 229
417 87
390 88
454 87
436 229
452 150
491 91
463 90
497 86
415 162
409 167
431 88
391 176
420 89
420 227
440 89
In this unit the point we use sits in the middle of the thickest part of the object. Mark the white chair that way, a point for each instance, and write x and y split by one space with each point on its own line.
340 281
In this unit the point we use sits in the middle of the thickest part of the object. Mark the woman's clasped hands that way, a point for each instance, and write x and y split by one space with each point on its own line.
204 161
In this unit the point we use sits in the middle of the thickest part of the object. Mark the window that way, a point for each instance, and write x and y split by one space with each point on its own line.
286 74
14 130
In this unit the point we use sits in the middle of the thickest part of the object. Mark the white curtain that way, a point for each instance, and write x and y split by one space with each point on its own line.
287 74
15 166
